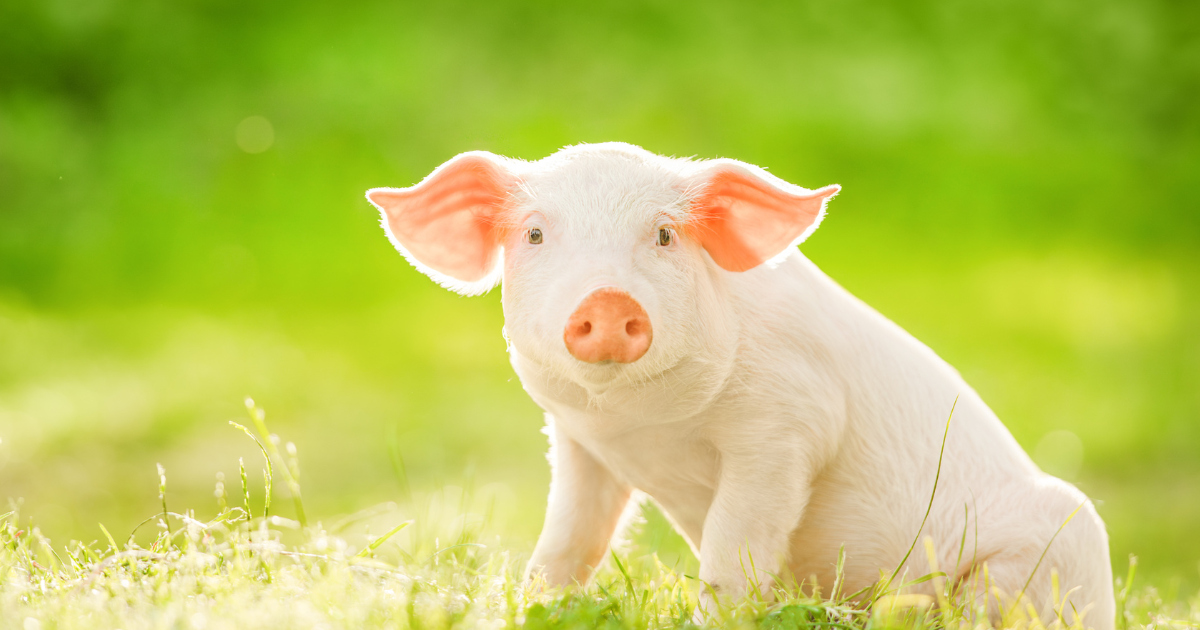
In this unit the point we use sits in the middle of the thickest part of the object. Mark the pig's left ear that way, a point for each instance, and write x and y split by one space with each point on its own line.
744 216
447 226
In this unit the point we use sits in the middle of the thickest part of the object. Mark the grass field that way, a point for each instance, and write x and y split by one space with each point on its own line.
246 568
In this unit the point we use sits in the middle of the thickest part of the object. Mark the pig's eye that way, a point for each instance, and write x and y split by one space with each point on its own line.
535 237
664 236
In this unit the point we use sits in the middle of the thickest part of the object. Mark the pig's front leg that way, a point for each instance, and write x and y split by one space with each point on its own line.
582 514
760 498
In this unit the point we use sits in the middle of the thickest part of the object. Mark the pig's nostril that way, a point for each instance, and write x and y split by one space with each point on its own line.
586 328
631 327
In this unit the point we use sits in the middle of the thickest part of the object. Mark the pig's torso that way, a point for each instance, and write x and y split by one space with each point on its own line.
817 375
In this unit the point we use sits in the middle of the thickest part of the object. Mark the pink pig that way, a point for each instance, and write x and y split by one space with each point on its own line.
659 311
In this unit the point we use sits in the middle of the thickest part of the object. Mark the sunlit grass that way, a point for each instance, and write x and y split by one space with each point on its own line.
249 567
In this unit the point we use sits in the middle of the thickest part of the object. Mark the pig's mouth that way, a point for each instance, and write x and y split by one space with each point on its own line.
602 375
599 372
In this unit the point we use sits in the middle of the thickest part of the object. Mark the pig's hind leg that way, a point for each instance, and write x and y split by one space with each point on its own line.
1033 551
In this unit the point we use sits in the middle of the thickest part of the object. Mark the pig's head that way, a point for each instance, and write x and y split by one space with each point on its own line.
614 260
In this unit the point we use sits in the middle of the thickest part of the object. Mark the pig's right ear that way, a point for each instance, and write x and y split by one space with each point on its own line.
448 225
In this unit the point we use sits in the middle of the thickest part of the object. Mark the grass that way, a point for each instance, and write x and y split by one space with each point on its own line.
255 569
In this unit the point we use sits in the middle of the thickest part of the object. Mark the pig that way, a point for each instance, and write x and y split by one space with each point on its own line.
684 349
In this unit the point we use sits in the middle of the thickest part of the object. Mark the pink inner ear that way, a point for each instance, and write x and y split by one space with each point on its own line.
745 220
448 221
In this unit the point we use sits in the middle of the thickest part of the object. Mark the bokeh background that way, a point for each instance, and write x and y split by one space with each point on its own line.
182 225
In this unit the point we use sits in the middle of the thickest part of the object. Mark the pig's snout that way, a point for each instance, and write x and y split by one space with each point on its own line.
609 325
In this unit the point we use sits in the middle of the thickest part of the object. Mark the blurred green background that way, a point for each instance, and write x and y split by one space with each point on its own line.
182 224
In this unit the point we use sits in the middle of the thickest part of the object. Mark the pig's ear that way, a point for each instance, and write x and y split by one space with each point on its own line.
448 225
744 216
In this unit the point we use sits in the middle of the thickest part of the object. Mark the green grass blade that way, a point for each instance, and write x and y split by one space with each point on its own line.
929 508
1032 573
382 539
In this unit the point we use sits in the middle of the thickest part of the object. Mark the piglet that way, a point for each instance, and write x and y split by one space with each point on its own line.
659 311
